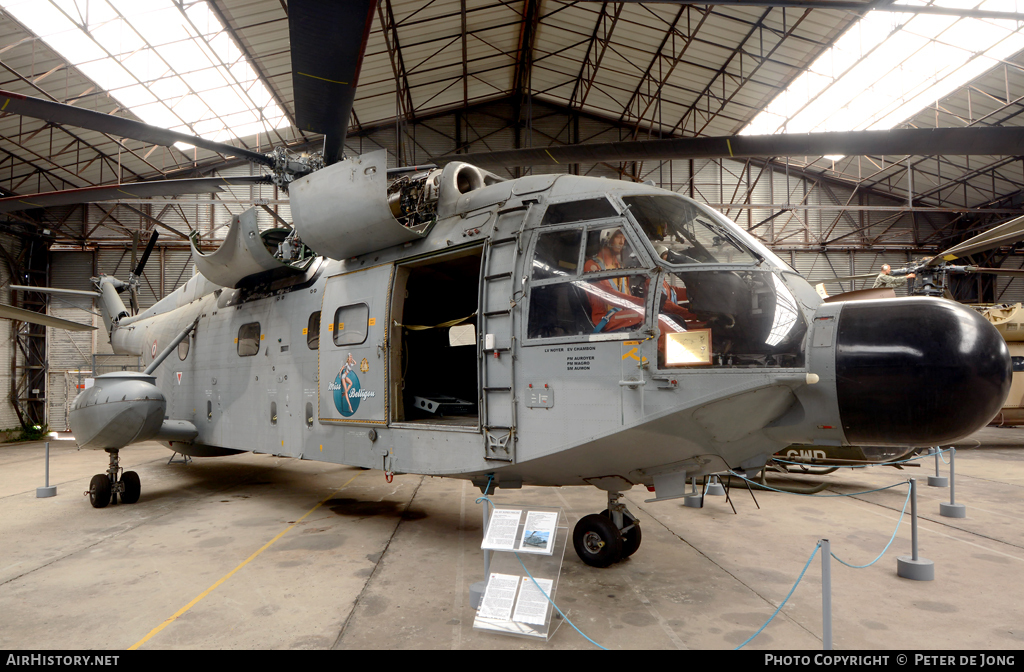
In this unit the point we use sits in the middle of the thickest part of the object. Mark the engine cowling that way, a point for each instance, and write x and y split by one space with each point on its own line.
120 408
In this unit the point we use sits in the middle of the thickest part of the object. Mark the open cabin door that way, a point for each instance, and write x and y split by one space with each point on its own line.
353 346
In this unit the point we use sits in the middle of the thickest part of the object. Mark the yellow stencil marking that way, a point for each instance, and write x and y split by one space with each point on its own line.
322 79
227 576
373 321
729 145
632 354
5 105
552 158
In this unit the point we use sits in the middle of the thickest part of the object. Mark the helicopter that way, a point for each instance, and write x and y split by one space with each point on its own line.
548 330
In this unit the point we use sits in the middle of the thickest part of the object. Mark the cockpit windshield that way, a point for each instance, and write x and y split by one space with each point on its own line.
685 232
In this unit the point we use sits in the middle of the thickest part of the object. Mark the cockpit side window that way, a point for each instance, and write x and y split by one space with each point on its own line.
557 254
610 301
579 211
684 232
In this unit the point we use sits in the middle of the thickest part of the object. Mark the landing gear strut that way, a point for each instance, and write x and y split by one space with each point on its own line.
104 488
602 539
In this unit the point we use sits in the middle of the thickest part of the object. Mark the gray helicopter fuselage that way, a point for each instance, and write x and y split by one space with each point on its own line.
352 363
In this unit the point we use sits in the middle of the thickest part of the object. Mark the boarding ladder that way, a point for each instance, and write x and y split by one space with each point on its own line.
498 301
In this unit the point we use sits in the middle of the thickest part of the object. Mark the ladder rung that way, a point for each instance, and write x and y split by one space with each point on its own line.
492 313
506 274
503 241
497 389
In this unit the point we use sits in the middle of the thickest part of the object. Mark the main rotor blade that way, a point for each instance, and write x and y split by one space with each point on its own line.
145 255
994 140
844 278
32 317
59 113
1010 231
327 43
199 185
1016 272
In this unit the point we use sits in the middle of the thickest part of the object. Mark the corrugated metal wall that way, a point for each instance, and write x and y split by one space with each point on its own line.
8 416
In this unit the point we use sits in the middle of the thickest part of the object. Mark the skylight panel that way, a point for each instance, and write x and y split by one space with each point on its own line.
888 67
172 67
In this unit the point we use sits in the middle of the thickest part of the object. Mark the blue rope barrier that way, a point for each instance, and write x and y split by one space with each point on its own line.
768 487
891 539
566 618
790 594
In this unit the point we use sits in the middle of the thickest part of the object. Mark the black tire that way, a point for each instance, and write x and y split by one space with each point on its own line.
597 541
132 487
99 491
630 540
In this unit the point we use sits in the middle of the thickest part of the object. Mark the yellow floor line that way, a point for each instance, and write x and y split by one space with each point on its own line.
227 576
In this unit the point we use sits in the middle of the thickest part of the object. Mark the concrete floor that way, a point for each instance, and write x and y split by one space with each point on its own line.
259 552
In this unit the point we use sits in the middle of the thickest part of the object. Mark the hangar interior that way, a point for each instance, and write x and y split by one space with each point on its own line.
439 79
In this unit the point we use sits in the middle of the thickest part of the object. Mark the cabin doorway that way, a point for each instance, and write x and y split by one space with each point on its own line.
435 340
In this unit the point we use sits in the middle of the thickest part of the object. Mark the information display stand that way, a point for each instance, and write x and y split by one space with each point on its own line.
524 541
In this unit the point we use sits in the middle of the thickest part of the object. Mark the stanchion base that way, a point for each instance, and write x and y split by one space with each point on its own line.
916 570
692 501
952 510
47 491
938 481
716 490
476 593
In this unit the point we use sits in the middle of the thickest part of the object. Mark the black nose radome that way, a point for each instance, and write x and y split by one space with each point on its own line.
917 371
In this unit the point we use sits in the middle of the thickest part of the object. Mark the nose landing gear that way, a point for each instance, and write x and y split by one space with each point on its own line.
104 488
602 539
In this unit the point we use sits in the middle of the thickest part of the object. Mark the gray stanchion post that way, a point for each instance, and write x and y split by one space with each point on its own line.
937 481
476 590
826 595
47 490
952 509
914 567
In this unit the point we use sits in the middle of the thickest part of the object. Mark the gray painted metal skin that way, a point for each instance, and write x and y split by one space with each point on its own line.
610 424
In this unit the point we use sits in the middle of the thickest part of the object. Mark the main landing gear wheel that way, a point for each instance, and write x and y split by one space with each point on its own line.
597 541
99 491
631 536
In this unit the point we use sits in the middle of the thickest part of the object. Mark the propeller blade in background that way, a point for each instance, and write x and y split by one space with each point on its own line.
32 317
1016 272
199 185
69 115
1010 231
327 44
993 140
55 290
145 255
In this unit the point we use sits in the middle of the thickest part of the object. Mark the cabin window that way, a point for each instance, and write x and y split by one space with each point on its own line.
578 211
248 339
557 254
351 324
313 331
183 348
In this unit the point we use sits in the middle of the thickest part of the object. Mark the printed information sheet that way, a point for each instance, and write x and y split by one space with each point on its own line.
532 606
499 597
501 530
539 532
